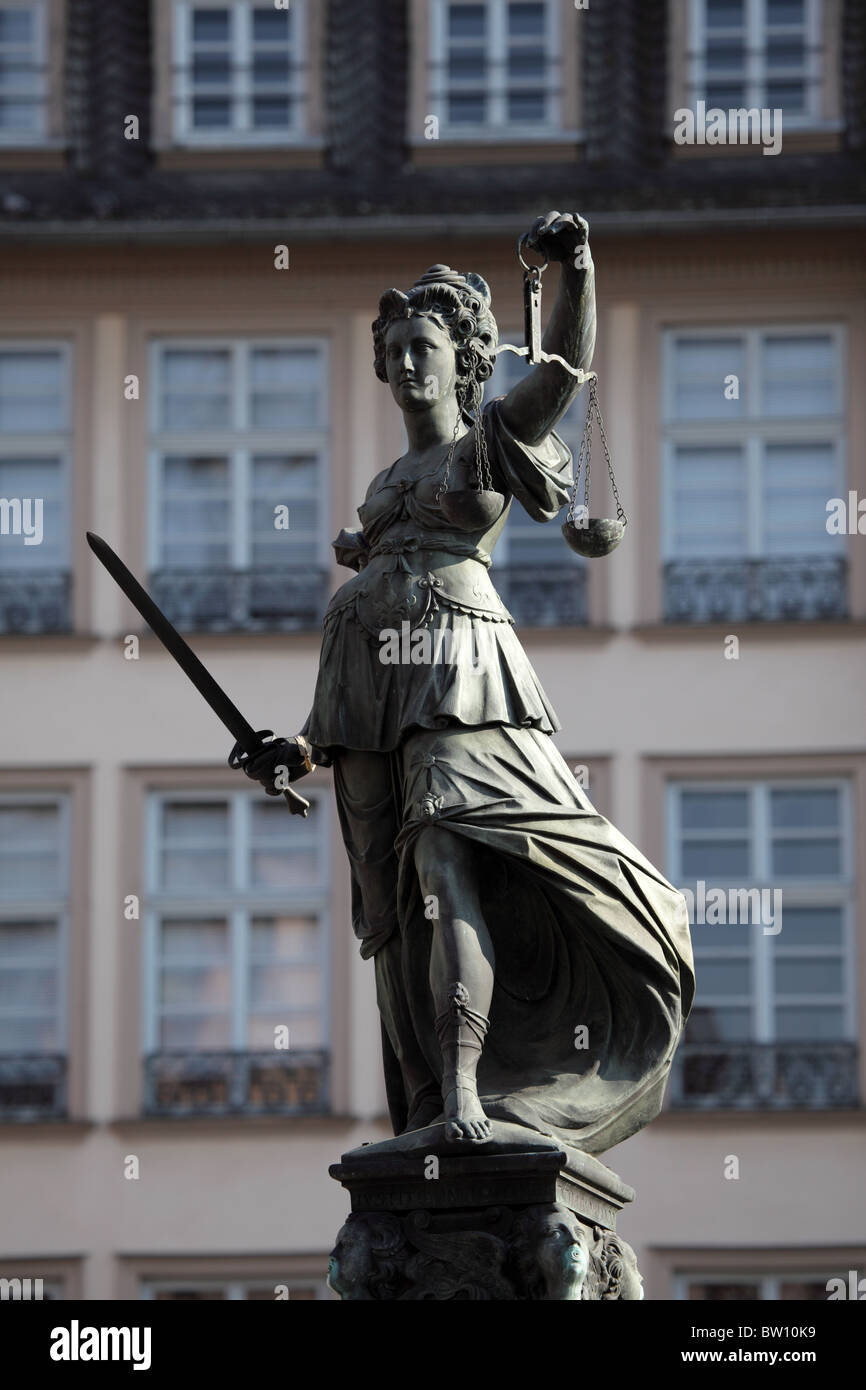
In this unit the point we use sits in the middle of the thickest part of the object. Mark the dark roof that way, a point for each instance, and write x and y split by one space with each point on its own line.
626 167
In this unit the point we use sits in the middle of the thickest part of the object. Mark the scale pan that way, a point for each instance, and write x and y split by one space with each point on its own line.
470 509
598 536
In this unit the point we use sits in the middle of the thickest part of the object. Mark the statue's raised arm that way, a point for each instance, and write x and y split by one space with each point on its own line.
534 406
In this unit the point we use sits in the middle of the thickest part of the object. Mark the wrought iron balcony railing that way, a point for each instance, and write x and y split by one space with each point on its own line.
32 1086
543 595
38 601
765 1076
781 589
254 600
236 1083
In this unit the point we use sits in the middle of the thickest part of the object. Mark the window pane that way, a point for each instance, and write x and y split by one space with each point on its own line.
788 52
36 1034
805 809
710 501
182 939
724 1291
193 1034
31 392
466 110
726 810
526 20
709 859
798 479
284 938
710 935
785 12
790 96
202 986
700 368
723 977
29 989
196 388
466 21
812 926
270 25
725 57
527 106
210 25
709 1024
286 386
284 984
809 1023
29 851
195 821
802 858
816 975
16 25
32 941
803 1291
195 870
725 14
799 374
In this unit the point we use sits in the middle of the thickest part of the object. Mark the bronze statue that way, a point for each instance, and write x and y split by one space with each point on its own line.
531 966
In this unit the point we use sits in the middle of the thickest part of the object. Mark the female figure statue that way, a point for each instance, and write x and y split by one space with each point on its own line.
531 965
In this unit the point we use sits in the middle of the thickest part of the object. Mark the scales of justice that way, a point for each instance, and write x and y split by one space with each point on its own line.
533 970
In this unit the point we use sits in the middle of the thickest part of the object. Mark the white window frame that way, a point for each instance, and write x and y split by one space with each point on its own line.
755 69
242 905
761 949
39 134
37 908
496 127
238 443
749 429
35 444
240 82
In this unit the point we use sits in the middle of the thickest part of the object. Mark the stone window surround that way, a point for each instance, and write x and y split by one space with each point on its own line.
805 136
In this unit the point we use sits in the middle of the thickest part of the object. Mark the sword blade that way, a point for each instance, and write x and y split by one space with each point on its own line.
224 708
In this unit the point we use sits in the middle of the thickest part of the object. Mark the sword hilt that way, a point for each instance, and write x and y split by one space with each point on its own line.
238 757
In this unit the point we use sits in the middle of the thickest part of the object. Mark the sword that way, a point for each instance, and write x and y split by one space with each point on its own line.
247 739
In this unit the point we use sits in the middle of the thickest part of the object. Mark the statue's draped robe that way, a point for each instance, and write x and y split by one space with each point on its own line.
594 971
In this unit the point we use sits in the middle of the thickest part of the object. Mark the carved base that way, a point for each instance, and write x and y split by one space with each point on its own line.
515 1225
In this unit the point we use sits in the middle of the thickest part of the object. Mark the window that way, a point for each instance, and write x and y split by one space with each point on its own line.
769 865
34 488
258 1290
494 66
34 876
237 532
752 1288
240 72
753 451
237 940
758 53
22 74
541 581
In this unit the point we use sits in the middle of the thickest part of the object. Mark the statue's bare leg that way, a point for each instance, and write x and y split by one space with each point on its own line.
461 975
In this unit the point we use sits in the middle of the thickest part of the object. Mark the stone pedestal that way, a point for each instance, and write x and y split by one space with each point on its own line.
506 1222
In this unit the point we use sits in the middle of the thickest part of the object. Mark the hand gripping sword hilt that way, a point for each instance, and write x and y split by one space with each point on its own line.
238 757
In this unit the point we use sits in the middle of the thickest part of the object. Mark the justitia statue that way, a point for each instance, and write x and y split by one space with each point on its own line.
532 968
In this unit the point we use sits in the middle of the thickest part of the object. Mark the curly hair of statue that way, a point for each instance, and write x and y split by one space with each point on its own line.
460 305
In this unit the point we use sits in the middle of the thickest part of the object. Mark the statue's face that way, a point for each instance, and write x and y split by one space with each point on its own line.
420 361
562 1251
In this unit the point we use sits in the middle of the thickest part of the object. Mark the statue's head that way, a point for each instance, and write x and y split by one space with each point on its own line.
438 338
552 1248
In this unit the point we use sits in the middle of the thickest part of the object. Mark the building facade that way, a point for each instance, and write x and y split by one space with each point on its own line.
200 204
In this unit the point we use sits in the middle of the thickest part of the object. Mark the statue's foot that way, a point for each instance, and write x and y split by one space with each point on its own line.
464 1118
